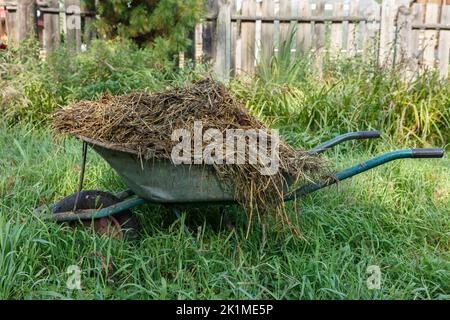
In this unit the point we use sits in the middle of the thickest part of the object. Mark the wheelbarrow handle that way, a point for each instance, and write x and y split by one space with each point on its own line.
427 153
345 137
364 166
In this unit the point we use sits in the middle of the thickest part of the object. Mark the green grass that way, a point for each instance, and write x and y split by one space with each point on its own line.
396 217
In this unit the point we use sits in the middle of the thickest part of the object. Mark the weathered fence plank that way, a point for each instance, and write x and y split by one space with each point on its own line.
267 30
90 32
429 52
319 28
304 29
345 26
373 26
52 37
403 53
209 31
276 25
285 11
444 43
222 63
293 26
198 43
2 23
181 59
389 30
73 24
387 33
336 30
352 40
328 9
258 31
248 38
26 20
236 39
11 28
361 27
415 45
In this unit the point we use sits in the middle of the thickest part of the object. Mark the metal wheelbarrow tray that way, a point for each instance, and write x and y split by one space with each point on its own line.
160 181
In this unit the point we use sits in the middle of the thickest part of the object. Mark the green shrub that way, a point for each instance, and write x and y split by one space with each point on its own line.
26 92
34 103
115 66
30 90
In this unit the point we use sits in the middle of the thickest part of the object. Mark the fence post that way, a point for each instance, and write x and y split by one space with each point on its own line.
11 26
73 24
209 31
90 32
198 43
52 37
222 63
26 20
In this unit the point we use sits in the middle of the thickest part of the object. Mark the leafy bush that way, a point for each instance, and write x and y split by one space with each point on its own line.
115 66
25 91
30 90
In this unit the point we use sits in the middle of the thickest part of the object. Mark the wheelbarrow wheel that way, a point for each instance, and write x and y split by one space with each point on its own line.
121 225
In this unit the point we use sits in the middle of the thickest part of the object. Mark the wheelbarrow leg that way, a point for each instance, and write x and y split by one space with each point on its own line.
81 179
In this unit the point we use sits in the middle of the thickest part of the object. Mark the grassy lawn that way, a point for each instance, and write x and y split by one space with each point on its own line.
396 217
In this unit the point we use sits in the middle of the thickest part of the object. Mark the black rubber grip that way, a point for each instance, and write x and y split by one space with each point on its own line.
427 153
368 134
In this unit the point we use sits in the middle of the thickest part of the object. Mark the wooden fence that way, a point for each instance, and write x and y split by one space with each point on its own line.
415 35
251 30
47 20
237 34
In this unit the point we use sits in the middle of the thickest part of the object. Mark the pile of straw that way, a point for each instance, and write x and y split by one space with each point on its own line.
145 122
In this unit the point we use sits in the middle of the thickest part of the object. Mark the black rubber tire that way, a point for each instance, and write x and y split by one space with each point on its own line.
96 199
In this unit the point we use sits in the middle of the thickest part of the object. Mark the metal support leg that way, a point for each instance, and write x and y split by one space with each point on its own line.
81 179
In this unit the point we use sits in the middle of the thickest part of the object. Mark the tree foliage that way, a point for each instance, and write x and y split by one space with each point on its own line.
164 23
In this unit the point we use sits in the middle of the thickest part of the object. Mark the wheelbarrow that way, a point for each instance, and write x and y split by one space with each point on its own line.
160 181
